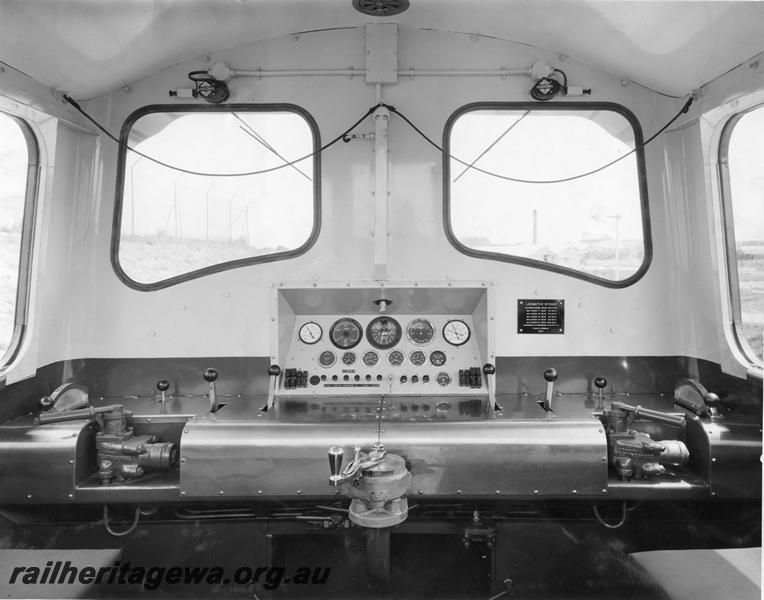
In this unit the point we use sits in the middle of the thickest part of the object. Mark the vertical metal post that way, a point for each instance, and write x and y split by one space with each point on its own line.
381 193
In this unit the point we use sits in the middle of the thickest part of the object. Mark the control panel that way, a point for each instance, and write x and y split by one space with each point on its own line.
388 341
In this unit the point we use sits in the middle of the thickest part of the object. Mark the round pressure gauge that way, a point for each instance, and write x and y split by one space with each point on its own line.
346 333
370 358
327 359
383 332
310 333
417 358
420 331
348 358
456 332
438 358
396 358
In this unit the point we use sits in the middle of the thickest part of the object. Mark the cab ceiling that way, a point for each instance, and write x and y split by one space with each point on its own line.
92 47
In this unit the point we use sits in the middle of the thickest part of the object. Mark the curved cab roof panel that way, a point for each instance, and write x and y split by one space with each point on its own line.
90 48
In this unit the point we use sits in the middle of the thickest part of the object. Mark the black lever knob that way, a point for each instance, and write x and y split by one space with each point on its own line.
274 370
550 375
600 382
210 375
163 385
489 369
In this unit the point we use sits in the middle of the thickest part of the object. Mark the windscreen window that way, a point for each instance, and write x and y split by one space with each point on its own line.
515 190
744 216
203 215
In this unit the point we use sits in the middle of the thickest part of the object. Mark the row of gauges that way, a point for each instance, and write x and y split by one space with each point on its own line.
384 332
395 358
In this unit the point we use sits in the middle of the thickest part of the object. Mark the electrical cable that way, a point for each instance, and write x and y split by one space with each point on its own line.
609 525
130 529
683 110
203 174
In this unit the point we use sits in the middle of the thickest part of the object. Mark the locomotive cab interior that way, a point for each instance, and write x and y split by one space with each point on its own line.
403 298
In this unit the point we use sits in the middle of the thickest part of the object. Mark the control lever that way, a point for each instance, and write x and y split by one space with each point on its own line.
90 412
210 376
551 376
490 371
361 461
163 385
628 414
273 372
336 455
600 383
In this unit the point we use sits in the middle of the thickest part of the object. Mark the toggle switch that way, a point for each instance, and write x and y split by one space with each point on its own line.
600 383
163 385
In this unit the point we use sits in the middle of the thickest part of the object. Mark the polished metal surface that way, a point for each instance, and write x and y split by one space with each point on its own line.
255 459
39 461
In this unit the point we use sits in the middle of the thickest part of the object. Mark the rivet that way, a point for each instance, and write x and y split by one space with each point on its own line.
535 491
29 496
70 495
71 462
74 435
182 493
498 492
221 492
575 492
604 491
600 431
299 492
604 459
182 459
420 492
259 491
148 420
713 493
185 431
713 460
458 491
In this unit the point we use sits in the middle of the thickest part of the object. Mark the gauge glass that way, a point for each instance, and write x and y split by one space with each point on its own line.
348 358
310 333
417 358
443 379
370 358
456 332
438 358
346 333
420 331
326 359
383 332
396 358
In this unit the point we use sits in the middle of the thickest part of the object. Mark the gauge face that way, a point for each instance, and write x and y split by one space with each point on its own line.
310 333
326 359
420 331
456 332
438 358
383 332
346 333
395 358
417 358
443 379
348 358
370 358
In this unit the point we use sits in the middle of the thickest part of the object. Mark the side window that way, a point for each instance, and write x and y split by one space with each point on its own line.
593 227
742 155
174 224
18 178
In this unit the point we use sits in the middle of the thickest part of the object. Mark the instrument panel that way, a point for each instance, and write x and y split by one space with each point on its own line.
384 354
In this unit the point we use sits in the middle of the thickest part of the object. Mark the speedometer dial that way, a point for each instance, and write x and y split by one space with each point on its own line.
370 358
420 331
396 358
456 332
383 332
346 333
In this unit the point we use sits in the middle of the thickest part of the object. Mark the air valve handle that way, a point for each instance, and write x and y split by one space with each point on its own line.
336 455
273 372
210 376
163 385
551 376
489 371
600 383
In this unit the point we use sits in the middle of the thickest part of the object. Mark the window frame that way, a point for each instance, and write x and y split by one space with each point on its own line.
728 229
225 266
528 262
26 241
